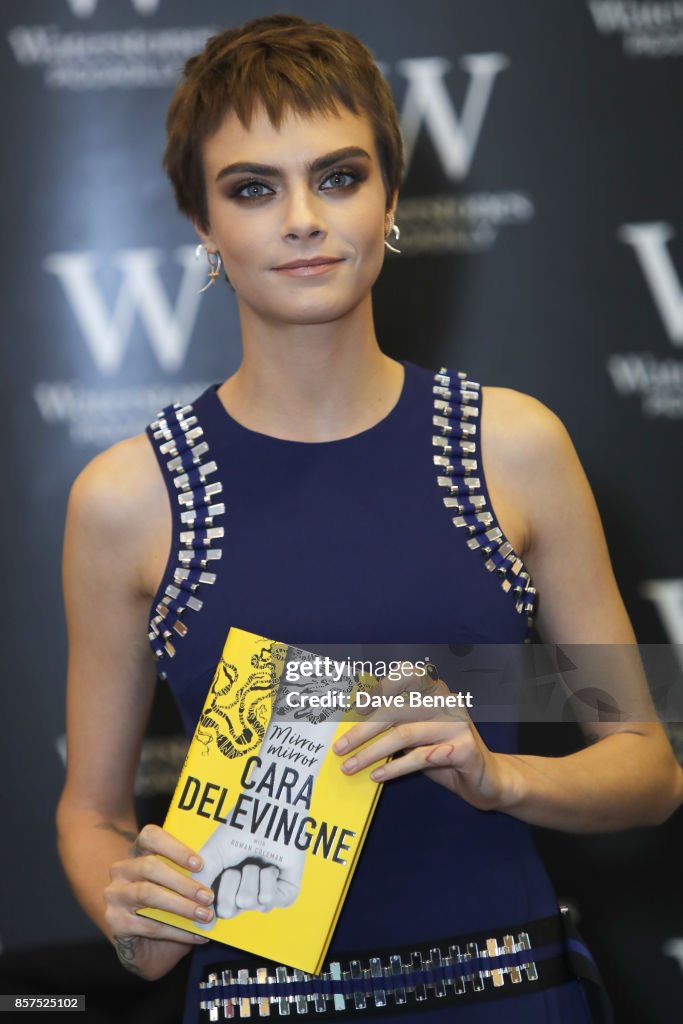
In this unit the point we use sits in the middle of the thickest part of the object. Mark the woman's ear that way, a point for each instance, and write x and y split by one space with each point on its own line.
390 225
205 236
207 240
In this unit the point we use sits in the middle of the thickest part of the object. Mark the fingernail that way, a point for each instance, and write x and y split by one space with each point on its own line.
341 745
203 913
377 775
201 939
195 863
350 765
205 895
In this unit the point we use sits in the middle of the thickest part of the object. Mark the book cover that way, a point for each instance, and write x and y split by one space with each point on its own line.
262 798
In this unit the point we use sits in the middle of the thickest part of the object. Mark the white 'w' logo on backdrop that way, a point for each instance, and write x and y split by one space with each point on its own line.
141 293
84 8
649 243
427 102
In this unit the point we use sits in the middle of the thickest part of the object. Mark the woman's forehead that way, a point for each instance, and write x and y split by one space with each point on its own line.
299 138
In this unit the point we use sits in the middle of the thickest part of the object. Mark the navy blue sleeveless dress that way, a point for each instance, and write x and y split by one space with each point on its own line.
351 541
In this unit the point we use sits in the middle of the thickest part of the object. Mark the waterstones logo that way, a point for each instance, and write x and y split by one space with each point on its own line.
132 58
646 29
99 415
444 223
658 382
103 414
141 295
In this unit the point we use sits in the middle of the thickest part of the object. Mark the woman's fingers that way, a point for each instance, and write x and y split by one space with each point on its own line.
359 734
153 839
447 754
390 711
145 880
152 869
406 735
410 720
130 896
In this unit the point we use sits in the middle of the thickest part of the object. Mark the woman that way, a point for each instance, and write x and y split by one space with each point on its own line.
304 497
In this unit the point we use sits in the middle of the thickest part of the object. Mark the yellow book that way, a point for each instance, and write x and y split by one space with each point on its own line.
263 799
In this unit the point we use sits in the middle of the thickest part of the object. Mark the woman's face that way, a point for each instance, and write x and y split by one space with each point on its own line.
311 190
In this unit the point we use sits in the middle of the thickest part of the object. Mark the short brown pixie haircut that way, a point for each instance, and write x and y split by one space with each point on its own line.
285 63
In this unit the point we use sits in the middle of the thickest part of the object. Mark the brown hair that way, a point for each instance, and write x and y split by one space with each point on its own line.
284 63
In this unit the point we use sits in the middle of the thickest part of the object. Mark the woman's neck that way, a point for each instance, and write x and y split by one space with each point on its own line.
312 382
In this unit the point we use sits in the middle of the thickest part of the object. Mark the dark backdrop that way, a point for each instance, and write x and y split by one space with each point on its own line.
540 219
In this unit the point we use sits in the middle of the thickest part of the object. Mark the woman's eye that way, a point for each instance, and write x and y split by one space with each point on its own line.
252 190
340 179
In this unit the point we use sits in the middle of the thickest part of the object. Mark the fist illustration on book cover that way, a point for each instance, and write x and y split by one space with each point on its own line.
248 881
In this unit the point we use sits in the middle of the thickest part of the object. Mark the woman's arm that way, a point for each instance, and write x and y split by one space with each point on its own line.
111 679
629 775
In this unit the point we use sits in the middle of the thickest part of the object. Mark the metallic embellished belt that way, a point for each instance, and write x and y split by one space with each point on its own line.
459 969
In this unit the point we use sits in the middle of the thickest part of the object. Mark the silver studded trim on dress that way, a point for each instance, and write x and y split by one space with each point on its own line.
180 439
457 402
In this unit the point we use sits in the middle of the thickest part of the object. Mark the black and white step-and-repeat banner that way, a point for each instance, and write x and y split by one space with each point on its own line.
542 235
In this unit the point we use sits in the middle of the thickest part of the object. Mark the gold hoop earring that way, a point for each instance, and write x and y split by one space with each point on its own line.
392 227
215 263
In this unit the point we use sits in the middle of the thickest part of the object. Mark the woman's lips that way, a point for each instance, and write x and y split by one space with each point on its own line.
303 269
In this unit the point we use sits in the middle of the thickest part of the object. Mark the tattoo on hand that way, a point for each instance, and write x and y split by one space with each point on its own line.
126 947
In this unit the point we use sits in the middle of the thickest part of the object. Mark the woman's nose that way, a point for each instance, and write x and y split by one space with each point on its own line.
304 217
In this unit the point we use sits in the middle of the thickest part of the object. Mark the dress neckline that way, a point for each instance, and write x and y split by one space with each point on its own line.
248 435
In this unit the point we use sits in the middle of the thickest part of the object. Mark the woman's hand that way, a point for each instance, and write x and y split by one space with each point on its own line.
146 947
443 744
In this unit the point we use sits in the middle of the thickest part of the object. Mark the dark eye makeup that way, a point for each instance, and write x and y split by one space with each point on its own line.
343 172
343 178
249 190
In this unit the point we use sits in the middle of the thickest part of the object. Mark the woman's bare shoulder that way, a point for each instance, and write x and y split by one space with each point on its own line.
523 446
119 496
519 431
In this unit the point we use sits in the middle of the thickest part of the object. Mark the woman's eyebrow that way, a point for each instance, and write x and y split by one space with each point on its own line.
319 164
